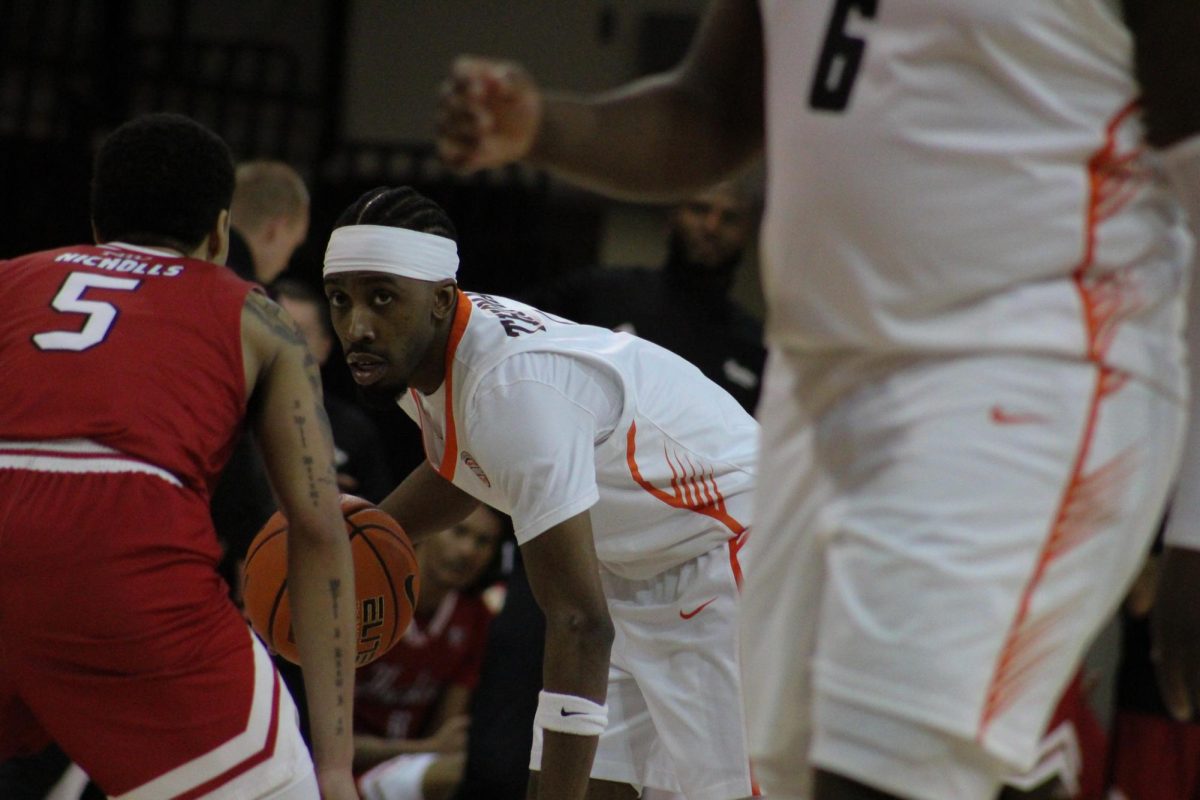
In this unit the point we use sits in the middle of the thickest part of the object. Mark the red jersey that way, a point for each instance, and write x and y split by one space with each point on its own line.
125 392
396 695
129 347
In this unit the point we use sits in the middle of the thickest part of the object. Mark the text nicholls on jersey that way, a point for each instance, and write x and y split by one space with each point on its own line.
137 266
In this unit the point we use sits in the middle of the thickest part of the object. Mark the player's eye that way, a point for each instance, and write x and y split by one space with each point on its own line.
336 299
380 297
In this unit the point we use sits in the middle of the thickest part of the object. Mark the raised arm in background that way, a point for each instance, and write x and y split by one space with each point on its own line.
659 138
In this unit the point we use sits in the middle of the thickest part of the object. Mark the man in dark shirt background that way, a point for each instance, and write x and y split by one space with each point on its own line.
684 306
271 205
269 217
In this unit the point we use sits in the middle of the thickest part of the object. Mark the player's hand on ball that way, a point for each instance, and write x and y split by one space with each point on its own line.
488 114
1175 622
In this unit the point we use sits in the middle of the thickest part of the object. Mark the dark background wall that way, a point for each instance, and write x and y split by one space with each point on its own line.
345 92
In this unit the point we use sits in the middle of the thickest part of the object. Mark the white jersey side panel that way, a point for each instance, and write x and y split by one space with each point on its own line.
674 473
966 175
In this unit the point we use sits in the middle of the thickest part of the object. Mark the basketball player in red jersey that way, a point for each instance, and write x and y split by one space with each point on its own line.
971 416
130 366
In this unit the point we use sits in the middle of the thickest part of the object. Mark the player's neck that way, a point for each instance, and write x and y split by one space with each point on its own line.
432 371
165 246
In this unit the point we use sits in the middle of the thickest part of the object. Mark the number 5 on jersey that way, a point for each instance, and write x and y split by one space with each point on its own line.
100 315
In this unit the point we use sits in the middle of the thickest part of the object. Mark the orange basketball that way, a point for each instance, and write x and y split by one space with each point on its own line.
385 580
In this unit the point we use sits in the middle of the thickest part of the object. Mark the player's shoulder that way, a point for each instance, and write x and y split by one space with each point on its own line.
497 328
503 314
508 342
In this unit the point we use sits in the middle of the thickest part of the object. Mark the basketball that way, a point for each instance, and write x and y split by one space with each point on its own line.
385 580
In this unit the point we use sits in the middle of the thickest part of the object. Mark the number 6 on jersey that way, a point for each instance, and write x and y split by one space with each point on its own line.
101 315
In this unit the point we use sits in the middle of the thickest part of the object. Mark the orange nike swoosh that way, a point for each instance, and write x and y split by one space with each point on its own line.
696 610
1002 417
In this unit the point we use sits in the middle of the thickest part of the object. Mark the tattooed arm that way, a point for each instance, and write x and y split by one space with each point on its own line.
293 431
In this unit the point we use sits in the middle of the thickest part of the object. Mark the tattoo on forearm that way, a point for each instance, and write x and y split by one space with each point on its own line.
306 459
339 684
299 420
335 586
312 371
325 426
310 463
271 315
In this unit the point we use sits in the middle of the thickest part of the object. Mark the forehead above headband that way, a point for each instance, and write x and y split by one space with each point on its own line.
396 251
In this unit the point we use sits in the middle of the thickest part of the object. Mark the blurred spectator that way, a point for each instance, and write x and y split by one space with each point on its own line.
410 708
1154 755
269 217
269 220
685 306
501 733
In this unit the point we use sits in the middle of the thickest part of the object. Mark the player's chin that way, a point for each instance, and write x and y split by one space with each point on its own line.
382 395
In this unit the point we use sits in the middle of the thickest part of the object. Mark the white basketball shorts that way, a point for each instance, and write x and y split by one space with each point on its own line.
936 541
675 716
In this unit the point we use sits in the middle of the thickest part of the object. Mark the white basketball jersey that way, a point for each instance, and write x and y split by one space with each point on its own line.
668 478
966 175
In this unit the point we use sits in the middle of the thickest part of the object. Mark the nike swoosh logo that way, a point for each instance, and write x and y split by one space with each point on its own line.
696 610
1002 417
566 713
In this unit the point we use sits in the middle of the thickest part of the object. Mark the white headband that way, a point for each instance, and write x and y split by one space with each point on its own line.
397 251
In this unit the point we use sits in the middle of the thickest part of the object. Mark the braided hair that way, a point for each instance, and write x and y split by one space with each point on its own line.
398 207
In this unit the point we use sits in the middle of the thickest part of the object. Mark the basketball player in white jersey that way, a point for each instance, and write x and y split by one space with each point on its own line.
975 270
628 476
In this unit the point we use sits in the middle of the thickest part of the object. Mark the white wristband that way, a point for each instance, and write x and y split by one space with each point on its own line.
1181 163
568 713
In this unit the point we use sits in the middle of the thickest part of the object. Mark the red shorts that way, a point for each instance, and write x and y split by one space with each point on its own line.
1155 758
1073 751
117 637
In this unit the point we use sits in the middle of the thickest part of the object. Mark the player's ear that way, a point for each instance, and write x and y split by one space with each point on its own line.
217 249
445 297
